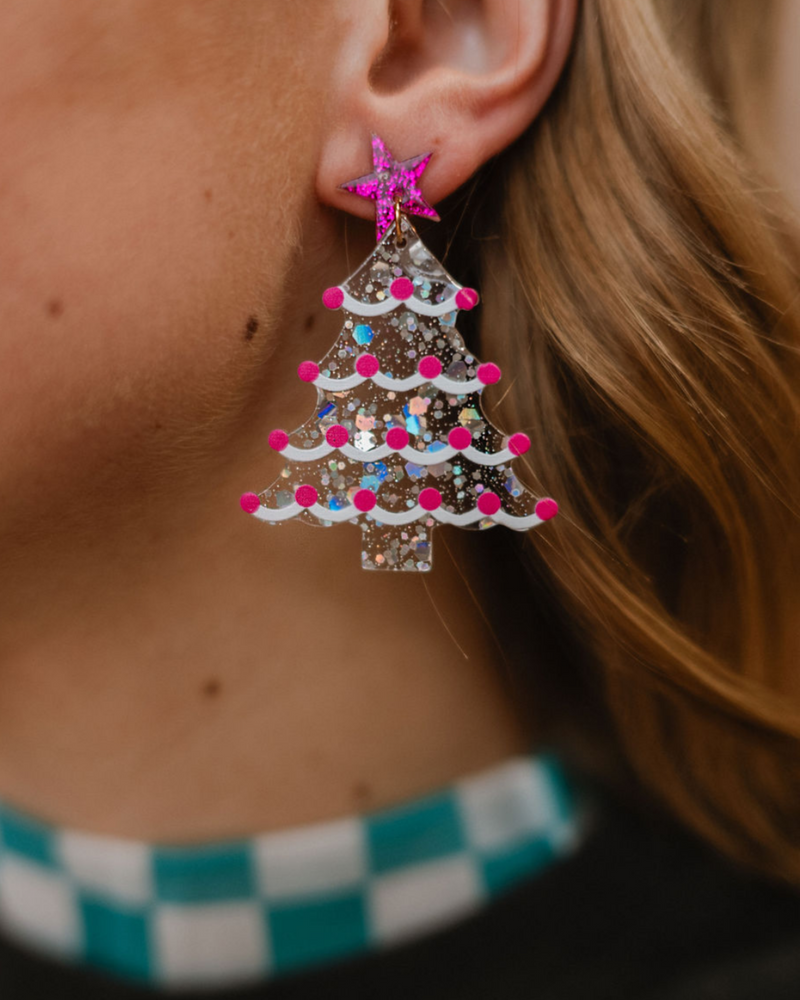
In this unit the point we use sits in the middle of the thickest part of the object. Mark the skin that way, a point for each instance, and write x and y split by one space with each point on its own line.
169 668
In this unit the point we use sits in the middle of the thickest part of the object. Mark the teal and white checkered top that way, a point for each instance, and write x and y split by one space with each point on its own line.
237 911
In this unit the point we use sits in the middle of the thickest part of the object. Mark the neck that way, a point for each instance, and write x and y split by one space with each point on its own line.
244 678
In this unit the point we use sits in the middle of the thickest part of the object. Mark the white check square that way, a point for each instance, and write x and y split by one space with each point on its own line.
416 900
111 867
312 861
215 943
39 905
506 805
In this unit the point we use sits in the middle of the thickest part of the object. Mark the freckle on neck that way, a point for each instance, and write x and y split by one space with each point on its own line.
310 320
211 688
55 307
250 328
362 794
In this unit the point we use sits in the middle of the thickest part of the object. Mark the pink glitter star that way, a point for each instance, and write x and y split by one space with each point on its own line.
390 180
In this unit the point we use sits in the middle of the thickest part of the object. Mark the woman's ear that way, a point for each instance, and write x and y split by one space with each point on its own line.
459 78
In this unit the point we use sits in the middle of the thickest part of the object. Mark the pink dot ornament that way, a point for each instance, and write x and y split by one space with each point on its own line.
546 508
467 298
278 440
489 373
402 288
430 498
430 367
459 438
337 436
364 500
488 503
305 495
519 443
308 371
332 298
367 365
397 438
249 502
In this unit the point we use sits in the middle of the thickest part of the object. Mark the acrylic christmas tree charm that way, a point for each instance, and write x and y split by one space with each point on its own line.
398 442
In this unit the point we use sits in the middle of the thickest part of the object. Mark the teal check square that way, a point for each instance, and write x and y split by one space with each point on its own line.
317 930
504 869
115 940
27 837
427 829
204 874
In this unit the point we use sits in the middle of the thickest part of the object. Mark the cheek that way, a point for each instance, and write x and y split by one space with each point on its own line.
139 238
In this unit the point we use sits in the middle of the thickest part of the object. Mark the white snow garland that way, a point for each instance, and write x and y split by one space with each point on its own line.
413 304
400 384
410 454
415 513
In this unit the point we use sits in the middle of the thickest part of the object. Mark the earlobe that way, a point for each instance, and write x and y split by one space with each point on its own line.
459 78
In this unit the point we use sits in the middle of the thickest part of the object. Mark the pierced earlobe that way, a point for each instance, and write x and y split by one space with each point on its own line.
464 85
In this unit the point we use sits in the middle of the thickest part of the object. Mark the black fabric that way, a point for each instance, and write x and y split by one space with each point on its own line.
642 912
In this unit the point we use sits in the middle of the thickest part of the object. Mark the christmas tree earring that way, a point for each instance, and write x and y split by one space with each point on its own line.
397 442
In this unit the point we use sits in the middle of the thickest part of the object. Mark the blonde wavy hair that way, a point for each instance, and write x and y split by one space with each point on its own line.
641 288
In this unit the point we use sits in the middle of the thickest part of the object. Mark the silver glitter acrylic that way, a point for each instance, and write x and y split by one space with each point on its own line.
398 443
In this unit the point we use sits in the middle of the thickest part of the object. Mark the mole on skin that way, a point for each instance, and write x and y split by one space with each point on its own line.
211 688
310 320
55 307
250 328
362 793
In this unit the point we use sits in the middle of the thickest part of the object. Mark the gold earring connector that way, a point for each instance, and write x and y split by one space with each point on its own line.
399 239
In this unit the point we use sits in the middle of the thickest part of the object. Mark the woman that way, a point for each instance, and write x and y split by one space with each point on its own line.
196 711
